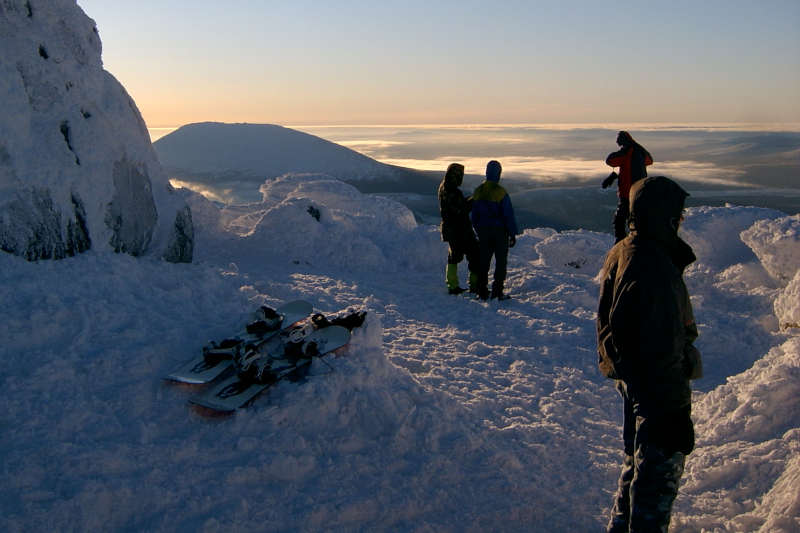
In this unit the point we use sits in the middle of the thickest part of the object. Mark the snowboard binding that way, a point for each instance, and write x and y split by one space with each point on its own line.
258 367
350 320
267 320
215 352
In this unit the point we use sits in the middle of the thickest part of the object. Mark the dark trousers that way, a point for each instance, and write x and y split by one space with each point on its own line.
621 216
492 241
648 483
461 246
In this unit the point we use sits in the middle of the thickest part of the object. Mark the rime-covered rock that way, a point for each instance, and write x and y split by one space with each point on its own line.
777 245
77 169
787 305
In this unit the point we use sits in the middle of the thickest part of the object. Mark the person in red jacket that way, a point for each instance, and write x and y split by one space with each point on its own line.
632 159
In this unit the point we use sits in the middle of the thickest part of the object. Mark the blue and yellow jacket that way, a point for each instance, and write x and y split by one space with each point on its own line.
491 205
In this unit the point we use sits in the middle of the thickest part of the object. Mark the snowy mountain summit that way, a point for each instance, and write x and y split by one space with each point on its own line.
230 162
77 169
266 149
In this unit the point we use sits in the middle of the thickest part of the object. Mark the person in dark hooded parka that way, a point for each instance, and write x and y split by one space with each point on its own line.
496 225
632 159
645 334
457 229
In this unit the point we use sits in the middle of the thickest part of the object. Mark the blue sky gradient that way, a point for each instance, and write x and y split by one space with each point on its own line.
364 62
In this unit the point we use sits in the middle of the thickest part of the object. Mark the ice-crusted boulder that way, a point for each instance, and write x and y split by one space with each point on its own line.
748 434
776 243
787 304
712 231
77 169
573 251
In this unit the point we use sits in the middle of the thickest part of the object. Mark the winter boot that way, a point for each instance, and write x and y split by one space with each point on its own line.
452 279
473 283
497 292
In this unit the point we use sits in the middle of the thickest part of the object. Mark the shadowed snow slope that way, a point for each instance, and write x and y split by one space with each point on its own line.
442 414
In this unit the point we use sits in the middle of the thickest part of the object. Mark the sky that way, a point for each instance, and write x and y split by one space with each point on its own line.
304 62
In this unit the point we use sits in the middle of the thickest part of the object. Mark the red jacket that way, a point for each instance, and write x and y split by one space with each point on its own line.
631 161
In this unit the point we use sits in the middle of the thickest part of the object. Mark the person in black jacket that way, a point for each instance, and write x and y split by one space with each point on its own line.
645 333
457 229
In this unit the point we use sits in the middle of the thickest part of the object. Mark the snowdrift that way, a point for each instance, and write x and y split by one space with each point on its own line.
318 221
739 478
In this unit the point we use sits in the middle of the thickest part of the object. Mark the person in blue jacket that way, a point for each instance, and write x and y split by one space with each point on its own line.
494 222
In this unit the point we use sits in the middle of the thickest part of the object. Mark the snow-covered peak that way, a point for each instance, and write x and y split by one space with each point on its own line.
229 162
264 149
77 169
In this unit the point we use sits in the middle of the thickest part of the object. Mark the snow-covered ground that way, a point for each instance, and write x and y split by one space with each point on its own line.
443 413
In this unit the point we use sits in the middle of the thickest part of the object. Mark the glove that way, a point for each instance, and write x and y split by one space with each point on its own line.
512 240
692 362
609 180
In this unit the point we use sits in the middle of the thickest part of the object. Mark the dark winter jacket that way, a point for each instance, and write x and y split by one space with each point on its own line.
632 160
491 203
645 324
453 207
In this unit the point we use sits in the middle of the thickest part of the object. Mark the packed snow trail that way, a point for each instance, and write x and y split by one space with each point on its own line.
515 366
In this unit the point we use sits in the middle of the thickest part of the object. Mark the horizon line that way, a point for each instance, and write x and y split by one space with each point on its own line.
640 126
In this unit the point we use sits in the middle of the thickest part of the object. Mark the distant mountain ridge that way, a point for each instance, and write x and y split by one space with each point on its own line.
215 146
236 159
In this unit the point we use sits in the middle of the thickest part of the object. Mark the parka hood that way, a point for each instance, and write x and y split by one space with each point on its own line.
625 139
454 176
493 170
656 208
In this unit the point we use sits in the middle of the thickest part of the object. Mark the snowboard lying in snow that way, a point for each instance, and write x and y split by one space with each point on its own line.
286 355
218 357
280 346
